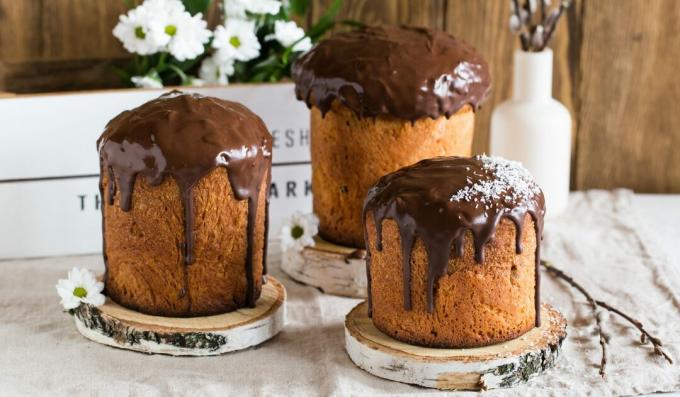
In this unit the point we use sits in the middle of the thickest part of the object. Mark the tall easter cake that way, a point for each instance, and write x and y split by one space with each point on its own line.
454 248
382 98
185 182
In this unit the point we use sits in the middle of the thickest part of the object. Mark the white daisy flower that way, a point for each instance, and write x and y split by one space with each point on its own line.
163 6
146 82
163 25
299 231
167 15
81 286
288 33
195 82
238 8
236 40
134 31
216 71
188 35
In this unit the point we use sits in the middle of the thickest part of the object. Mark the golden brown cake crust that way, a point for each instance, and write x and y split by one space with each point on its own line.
144 248
349 154
474 304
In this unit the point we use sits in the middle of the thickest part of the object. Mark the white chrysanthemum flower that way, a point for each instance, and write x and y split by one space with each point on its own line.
187 34
238 8
299 231
215 70
236 40
81 286
288 33
146 82
134 30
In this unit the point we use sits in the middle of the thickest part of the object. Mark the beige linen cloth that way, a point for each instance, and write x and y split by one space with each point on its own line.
599 242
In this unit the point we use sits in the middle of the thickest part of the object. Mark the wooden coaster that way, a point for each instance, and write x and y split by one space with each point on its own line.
502 365
332 268
114 325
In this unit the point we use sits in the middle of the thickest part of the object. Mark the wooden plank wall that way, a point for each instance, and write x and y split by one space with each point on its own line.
615 69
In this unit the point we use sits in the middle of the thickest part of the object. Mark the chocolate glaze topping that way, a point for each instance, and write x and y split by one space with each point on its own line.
185 136
438 200
405 72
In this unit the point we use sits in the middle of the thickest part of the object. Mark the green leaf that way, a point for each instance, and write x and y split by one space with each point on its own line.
130 4
189 63
353 23
123 74
276 75
260 76
270 61
153 73
196 6
326 22
299 7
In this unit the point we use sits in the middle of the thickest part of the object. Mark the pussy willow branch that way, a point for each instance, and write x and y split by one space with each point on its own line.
536 25
544 13
550 31
523 36
593 305
645 335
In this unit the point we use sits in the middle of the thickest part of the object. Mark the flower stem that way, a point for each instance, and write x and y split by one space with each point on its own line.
176 70
161 62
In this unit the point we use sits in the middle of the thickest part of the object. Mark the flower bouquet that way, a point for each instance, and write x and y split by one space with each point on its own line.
257 41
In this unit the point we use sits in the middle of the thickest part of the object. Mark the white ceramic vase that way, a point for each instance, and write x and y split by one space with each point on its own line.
535 129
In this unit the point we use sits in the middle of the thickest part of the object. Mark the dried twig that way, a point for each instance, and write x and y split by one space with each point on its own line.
593 305
644 334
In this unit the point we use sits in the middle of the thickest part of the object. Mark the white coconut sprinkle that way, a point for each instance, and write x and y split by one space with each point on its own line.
508 181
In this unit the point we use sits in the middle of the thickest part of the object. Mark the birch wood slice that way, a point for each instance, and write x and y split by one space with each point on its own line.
332 268
117 326
502 365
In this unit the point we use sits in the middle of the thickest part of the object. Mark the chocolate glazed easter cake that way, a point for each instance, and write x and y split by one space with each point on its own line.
382 98
454 247
185 185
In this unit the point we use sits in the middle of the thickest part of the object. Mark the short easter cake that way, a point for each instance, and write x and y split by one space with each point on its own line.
453 252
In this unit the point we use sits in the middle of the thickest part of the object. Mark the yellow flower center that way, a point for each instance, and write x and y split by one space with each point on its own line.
139 32
170 30
80 292
297 231
235 41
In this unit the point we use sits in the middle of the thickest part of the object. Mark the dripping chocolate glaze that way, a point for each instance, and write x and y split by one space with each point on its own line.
185 136
419 199
405 72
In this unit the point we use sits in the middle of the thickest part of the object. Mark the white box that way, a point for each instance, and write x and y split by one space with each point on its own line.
49 165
